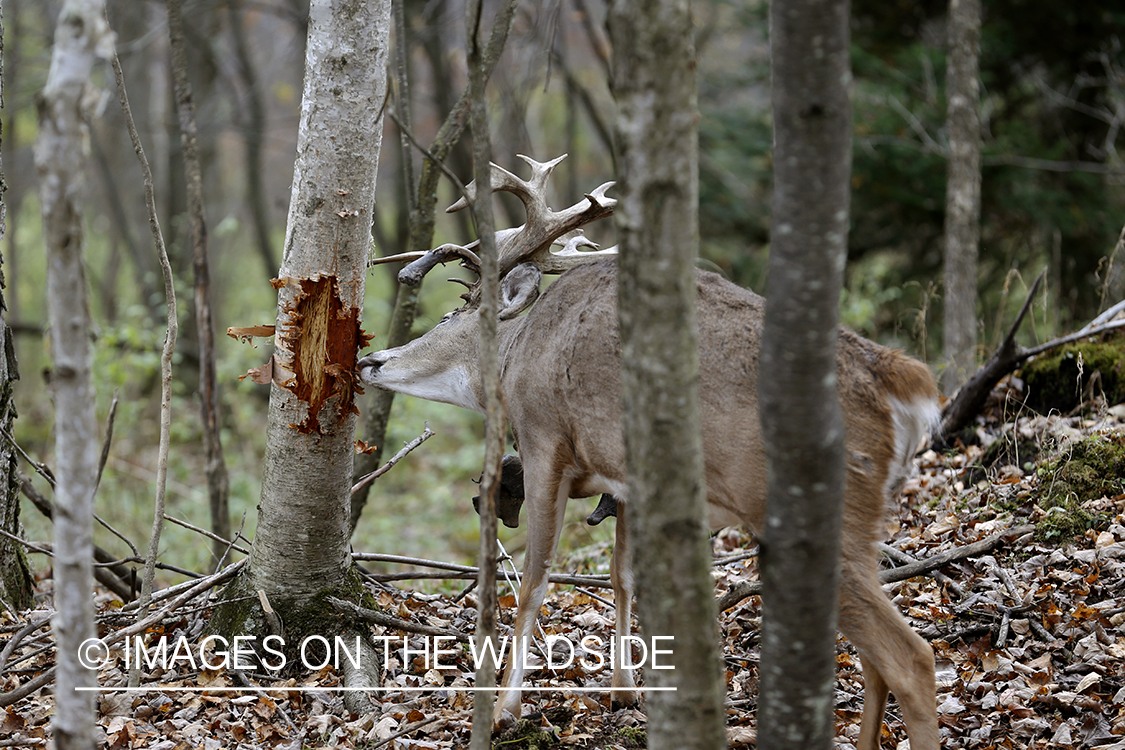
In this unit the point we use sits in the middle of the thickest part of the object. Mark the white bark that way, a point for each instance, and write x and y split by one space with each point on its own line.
301 545
81 37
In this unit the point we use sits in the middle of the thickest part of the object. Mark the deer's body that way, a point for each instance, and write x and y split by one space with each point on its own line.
561 382
561 379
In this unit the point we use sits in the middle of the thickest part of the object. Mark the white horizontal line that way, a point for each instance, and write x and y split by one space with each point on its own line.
400 689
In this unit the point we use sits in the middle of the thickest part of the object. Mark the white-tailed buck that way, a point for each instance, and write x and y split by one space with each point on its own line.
561 382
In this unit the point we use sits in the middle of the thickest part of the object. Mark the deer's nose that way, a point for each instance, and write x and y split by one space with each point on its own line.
368 367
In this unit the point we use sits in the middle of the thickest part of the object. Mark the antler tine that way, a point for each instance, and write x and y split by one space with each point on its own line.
570 256
529 191
533 241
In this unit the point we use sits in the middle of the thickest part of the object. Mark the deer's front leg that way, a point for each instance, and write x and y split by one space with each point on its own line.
621 575
545 509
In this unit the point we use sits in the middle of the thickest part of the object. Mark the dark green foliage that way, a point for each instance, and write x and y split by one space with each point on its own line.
1048 77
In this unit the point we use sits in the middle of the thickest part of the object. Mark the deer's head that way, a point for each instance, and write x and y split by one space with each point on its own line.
443 365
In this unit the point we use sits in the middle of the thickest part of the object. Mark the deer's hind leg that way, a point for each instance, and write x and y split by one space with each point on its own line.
894 658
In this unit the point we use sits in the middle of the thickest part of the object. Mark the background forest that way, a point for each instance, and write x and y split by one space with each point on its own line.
1053 106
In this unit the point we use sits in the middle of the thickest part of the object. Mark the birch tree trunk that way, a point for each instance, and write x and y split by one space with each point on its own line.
802 426
81 37
15 574
301 544
962 196
657 221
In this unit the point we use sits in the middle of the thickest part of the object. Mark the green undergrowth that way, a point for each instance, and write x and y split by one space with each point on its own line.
1083 471
1062 379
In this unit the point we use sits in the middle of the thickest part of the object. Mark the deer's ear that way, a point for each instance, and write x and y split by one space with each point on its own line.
519 290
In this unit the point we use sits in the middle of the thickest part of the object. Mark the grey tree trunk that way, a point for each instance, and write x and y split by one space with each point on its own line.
215 467
81 37
802 425
962 197
494 426
657 222
301 545
15 574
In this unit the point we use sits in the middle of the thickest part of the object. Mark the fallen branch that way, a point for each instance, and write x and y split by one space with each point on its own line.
1007 357
412 728
922 567
26 689
15 640
740 591
902 558
388 621
571 580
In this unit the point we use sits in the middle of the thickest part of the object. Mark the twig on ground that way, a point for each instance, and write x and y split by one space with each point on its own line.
26 689
14 641
740 591
412 728
388 621
902 558
929 564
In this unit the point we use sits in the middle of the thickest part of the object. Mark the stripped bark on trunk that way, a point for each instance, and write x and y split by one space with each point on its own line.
301 544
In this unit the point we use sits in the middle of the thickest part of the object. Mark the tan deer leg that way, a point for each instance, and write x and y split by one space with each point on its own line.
544 522
894 657
621 575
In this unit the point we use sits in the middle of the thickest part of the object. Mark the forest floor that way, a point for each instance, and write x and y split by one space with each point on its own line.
1028 633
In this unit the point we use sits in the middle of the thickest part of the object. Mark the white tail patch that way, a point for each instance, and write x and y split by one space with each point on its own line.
913 422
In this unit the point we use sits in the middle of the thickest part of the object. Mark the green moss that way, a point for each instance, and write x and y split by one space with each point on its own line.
1086 470
633 737
1058 380
526 735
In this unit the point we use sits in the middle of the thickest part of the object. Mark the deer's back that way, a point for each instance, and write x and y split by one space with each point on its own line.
562 384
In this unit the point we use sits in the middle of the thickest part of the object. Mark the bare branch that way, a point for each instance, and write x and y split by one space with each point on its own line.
426 435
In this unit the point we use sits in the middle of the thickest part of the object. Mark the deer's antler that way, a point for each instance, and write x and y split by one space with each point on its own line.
531 242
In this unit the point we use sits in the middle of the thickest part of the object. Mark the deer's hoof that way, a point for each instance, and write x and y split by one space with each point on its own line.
623 699
503 719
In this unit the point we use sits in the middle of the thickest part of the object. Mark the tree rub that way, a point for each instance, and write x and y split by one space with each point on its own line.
321 340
